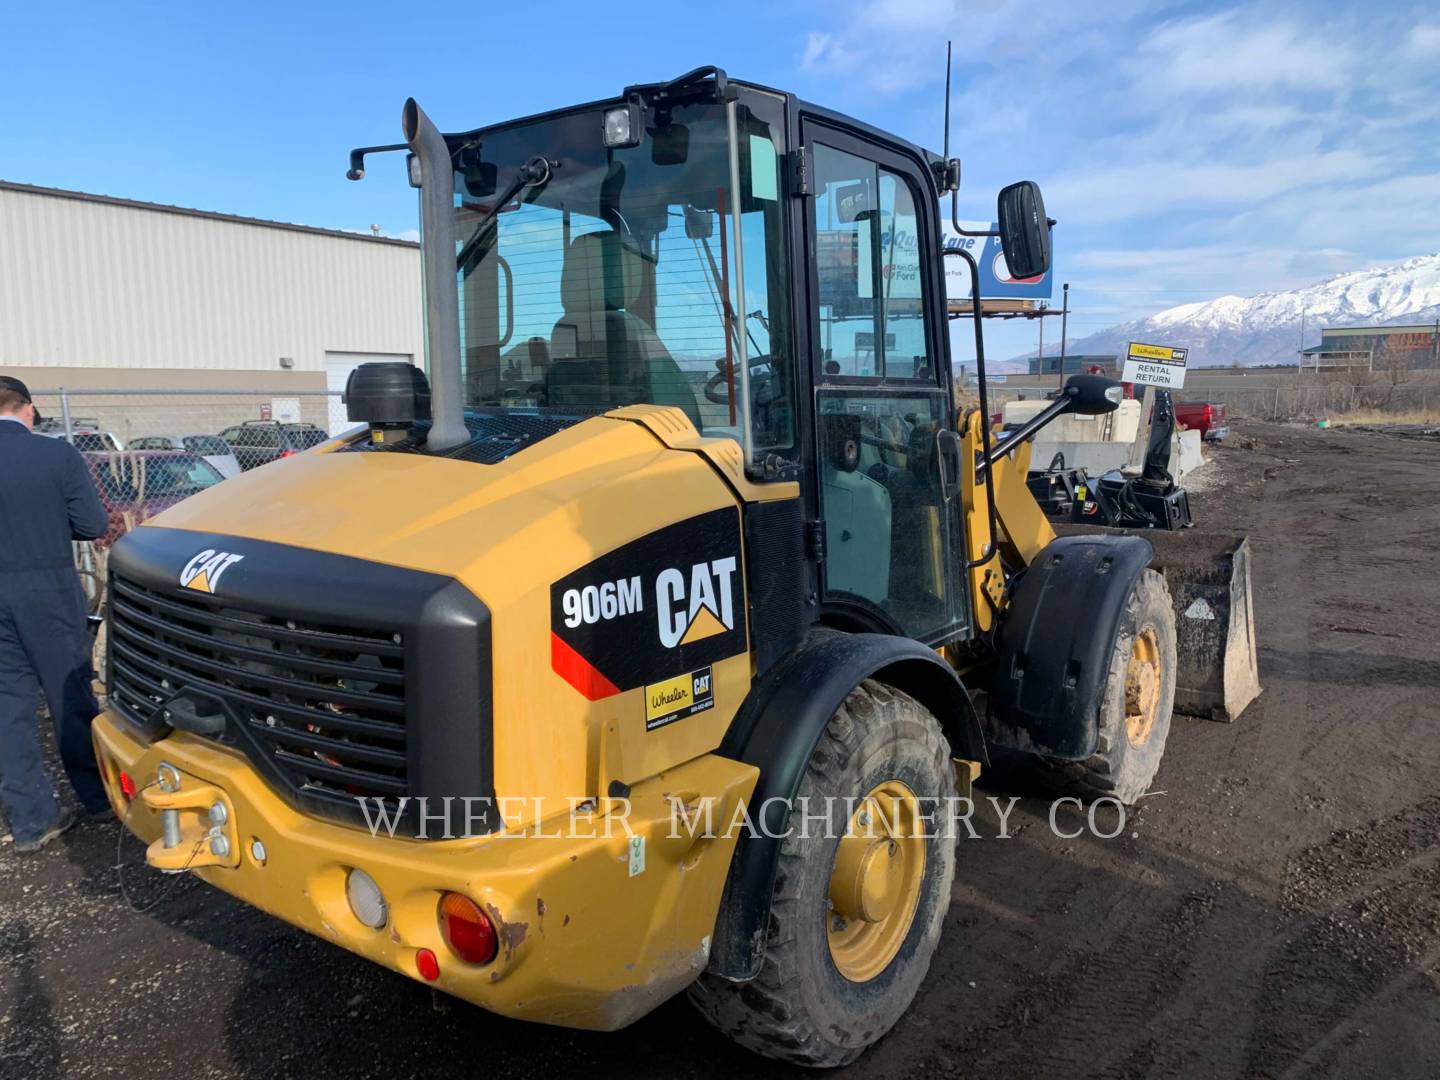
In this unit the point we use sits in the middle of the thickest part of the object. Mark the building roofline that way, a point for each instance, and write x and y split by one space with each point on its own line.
1389 328
185 211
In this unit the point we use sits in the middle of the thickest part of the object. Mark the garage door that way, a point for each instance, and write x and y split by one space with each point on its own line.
338 366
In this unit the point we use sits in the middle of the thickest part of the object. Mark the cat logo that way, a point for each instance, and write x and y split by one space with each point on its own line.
638 614
693 610
202 573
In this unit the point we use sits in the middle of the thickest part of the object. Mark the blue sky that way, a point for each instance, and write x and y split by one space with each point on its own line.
1188 149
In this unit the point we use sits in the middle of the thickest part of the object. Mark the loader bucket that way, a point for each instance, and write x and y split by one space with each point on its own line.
1216 674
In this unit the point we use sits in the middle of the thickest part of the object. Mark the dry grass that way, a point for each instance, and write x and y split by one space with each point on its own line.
1380 416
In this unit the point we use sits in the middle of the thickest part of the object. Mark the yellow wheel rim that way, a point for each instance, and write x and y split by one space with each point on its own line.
1142 687
875 885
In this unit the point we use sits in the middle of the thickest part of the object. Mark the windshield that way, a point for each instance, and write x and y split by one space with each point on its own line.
140 477
616 279
206 444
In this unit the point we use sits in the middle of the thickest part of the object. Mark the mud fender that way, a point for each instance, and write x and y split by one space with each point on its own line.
1056 640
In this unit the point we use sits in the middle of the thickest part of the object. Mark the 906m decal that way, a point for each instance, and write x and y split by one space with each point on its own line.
671 601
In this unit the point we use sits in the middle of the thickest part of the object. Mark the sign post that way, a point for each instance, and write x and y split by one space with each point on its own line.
1150 366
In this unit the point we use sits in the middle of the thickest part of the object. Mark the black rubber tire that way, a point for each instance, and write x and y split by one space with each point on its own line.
1118 768
800 1009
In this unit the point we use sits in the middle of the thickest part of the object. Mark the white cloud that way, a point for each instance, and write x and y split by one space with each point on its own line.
1424 41
1142 186
1234 50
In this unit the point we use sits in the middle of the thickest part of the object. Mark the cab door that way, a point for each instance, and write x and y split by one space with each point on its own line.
883 409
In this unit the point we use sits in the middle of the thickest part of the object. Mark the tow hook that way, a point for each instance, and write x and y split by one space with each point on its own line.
196 825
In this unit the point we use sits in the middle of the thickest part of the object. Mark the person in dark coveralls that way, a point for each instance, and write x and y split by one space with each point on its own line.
46 499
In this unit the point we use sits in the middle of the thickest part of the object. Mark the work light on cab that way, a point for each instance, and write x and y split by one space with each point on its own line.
468 930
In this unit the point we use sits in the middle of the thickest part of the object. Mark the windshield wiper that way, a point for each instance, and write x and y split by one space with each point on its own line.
534 173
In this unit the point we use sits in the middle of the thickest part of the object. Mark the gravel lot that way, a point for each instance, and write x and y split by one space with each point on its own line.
1274 910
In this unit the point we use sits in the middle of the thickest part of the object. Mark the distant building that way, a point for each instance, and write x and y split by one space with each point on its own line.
102 292
1374 348
1075 365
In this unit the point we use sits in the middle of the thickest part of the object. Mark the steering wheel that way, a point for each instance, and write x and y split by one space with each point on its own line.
764 390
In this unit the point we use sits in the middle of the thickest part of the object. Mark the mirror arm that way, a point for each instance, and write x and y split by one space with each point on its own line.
955 218
357 158
975 313
1058 407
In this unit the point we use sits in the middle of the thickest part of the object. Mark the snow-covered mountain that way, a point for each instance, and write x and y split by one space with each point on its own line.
1265 329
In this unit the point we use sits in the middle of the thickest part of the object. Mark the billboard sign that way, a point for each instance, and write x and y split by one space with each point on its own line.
996 282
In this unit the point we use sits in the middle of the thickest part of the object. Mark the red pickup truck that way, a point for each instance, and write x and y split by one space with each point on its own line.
1206 417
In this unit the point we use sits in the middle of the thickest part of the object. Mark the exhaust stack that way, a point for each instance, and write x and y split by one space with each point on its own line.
442 306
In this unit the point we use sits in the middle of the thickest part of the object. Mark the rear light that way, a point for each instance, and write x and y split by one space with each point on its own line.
288 453
367 902
468 930
127 786
427 965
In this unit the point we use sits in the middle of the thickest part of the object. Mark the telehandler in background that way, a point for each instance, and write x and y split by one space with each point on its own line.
682 526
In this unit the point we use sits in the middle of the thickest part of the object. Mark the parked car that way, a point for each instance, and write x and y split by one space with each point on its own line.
85 439
259 442
135 485
212 448
1206 417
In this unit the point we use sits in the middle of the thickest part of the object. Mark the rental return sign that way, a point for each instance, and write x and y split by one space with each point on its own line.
1155 365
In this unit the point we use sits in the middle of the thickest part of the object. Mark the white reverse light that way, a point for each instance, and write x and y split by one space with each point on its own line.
367 902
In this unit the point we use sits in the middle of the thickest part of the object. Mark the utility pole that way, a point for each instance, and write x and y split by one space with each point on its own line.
1040 353
1300 360
1064 319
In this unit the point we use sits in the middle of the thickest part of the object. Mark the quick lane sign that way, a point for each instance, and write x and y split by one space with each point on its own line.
1155 365
996 282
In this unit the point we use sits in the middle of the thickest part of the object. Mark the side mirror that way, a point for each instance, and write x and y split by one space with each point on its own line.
1024 229
852 202
699 224
1091 395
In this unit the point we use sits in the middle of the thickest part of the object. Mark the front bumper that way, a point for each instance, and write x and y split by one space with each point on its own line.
590 935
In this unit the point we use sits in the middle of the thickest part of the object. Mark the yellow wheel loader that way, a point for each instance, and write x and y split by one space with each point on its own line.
651 641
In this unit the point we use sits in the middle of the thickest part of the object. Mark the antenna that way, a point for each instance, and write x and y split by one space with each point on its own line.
948 46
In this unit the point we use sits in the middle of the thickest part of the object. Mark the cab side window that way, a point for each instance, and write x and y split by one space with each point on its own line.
867 262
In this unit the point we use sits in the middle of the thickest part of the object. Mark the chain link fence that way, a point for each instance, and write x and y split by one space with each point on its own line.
149 448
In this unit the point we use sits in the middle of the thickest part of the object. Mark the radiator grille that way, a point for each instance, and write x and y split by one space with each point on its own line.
323 707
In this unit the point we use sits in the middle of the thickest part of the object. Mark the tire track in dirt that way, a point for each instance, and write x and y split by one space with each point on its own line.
1368 905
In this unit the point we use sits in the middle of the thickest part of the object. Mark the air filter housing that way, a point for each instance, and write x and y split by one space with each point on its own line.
387 395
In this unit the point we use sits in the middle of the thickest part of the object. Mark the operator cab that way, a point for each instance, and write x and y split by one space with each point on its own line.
771 269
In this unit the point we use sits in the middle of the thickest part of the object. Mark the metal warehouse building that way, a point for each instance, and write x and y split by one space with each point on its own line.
106 293
1375 348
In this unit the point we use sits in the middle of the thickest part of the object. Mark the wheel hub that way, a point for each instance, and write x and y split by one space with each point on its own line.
875 884
1142 687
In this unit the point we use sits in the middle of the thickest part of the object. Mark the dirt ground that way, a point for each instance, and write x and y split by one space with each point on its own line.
1272 910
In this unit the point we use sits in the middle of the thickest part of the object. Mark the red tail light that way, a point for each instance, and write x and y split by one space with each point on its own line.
127 786
427 965
288 453
468 930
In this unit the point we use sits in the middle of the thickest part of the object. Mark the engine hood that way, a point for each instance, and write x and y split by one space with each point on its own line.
554 506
